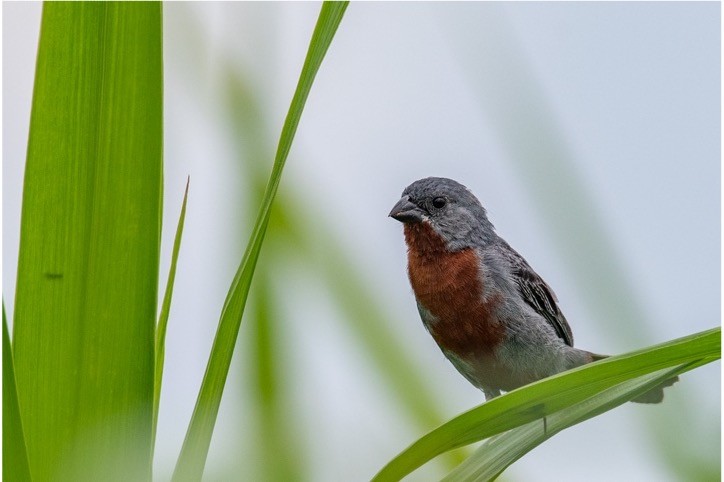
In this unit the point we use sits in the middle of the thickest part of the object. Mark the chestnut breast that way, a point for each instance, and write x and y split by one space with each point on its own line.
448 285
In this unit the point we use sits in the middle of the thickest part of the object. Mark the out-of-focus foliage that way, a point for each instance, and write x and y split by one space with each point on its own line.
321 254
526 124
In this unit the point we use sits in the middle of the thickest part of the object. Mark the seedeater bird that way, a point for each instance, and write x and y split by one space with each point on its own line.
492 316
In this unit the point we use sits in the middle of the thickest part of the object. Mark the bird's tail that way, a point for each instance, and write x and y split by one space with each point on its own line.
655 395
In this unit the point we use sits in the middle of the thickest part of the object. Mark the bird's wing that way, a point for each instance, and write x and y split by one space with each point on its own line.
538 294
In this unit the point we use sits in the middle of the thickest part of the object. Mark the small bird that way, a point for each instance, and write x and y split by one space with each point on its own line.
492 316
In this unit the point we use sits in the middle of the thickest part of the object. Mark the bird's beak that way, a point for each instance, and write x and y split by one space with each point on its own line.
406 211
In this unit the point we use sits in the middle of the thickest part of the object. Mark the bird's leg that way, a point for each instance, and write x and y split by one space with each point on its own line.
490 393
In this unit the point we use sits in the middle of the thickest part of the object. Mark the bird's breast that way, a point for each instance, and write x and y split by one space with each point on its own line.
449 285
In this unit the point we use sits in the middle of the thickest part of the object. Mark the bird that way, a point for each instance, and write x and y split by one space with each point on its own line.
491 314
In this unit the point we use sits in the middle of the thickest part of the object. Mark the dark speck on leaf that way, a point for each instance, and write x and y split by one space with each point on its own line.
54 276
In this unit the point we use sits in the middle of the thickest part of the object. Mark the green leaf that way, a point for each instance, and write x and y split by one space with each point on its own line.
548 396
15 455
86 295
498 452
163 316
191 461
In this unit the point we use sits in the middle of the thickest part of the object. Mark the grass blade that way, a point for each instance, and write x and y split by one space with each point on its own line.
86 295
15 455
191 461
499 452
548 396
163 316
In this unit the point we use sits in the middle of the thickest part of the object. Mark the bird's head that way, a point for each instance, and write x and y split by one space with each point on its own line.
449 209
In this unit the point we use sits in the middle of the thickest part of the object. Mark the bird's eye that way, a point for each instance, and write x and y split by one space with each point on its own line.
438 202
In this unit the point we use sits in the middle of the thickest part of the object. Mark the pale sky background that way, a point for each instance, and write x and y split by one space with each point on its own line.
621 101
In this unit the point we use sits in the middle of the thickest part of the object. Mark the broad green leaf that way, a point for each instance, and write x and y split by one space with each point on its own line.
86 295
15 455
498 452
548 396
191 461
163 316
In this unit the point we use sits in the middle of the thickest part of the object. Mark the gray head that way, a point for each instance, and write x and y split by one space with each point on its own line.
450 209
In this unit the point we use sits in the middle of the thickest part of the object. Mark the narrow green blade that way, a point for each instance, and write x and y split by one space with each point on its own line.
191 461
86 296
548 396
15 455
163 316
499 452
